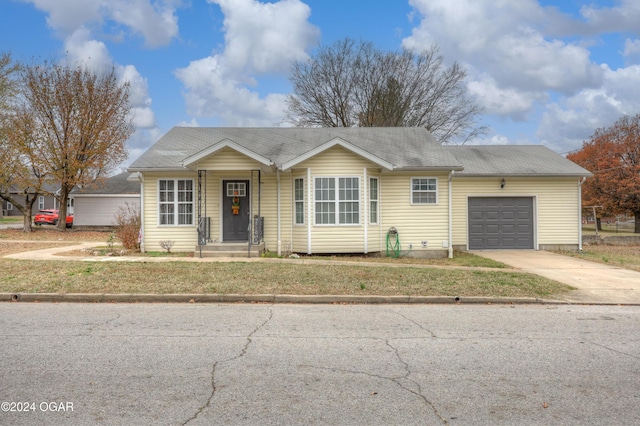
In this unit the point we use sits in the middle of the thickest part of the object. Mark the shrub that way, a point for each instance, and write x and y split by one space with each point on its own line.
128 224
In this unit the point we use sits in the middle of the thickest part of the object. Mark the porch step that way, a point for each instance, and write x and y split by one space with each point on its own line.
229 250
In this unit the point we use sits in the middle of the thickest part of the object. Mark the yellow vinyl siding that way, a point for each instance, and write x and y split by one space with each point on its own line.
185 237
418 222
228 159
269 208
558 216
555 205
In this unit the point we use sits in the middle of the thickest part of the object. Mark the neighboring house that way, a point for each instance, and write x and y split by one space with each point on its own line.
43 202
98 205
346 190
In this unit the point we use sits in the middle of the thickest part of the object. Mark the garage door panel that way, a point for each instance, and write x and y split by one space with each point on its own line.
500 223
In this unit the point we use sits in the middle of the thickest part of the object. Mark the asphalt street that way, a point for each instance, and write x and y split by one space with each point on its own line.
250 364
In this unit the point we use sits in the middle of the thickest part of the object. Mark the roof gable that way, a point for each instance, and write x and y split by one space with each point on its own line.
225 143
337 142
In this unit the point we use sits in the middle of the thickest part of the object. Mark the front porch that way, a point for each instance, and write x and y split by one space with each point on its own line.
229 223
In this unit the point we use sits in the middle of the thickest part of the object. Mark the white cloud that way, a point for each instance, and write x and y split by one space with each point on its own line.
81 49
572 120
632 50
261 38
266 37
504 101
623 17
155 21
505 39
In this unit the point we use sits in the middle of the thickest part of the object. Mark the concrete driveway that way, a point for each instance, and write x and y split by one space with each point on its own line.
595 282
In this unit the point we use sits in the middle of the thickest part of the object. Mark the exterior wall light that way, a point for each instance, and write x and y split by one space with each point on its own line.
503 183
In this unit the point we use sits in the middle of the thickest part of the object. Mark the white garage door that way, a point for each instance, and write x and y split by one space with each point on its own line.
500 223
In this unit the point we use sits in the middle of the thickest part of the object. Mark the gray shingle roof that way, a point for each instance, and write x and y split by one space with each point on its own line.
514 160
117 184
404 147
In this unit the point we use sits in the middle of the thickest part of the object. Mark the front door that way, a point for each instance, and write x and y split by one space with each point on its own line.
235 210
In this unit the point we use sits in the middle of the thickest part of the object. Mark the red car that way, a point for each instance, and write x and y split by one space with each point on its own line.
50 217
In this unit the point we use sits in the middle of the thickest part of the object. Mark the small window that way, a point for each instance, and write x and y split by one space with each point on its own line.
9 206
299 200
41 202
236 189
424 190
373 200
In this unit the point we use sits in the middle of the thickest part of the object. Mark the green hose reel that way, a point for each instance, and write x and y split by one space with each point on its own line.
393 243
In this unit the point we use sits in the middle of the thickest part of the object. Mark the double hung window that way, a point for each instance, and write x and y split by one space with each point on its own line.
337 201
175 201
424 190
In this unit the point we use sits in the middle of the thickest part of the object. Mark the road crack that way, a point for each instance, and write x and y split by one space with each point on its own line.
612 350
244 350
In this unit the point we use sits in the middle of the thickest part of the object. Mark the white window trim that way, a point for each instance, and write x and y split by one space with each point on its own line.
9 206
411 191
296 201
377 200
337 201
41 202
176 203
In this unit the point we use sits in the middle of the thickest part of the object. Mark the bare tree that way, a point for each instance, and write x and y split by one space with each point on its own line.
80 124
354 84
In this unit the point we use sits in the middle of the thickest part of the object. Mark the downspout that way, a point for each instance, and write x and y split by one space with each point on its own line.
580 182
365 219
141 232
309 204
279 211
450 216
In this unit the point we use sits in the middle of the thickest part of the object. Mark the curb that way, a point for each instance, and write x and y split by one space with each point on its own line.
261 298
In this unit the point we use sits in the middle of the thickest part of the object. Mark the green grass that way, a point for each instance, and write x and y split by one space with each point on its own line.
11 220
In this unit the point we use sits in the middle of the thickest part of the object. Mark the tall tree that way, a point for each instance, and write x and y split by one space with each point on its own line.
19 184
354 84
20 174
613 156
80 123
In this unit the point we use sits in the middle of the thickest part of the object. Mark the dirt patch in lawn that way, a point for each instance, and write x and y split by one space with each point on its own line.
49 233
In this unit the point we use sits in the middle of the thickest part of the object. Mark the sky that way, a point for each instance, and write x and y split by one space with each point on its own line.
546 72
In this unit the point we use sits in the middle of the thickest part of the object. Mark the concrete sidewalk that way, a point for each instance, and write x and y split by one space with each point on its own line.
595 282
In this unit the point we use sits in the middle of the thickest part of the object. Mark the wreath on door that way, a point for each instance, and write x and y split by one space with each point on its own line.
235 205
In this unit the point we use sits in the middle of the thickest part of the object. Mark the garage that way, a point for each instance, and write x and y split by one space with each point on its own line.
500 223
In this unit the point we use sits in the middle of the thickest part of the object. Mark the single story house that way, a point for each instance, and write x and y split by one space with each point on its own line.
43 202
97 205
354 190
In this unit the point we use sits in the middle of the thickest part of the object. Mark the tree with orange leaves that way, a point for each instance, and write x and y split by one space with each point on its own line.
78 124
613 156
